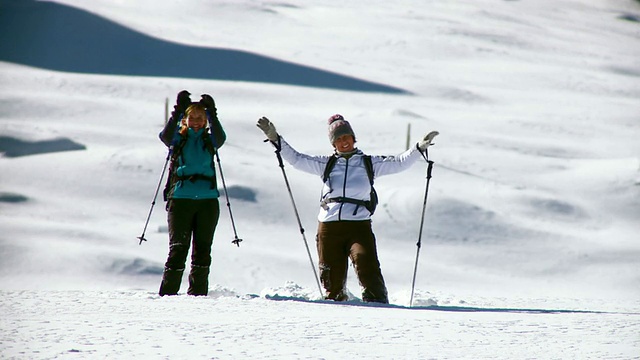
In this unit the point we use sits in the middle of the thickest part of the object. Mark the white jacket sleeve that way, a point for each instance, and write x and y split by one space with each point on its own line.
385 165
307 163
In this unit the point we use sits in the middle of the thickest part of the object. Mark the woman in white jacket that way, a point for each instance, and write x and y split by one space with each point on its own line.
344 220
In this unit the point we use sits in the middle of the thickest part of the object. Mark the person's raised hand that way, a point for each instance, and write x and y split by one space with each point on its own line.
183 100
268 128
427 141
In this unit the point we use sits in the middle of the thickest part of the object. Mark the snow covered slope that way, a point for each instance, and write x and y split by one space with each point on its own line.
534 200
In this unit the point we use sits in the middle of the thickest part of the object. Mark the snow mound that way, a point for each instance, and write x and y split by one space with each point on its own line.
218 291
420 299
290 290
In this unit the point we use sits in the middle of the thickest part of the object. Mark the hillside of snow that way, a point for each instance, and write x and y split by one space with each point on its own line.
531 245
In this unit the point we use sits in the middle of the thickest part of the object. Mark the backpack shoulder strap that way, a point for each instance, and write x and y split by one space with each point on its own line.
208 142
368 165
179 143
329 167
176 153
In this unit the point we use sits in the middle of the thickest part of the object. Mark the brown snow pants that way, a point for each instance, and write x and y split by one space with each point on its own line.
338 241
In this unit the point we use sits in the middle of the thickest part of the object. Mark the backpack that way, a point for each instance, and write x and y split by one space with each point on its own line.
373 196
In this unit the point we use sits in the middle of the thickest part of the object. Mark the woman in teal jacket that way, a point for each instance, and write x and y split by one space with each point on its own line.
192 192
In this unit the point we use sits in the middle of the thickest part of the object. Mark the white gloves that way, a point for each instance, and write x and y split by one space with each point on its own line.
426 141
268 128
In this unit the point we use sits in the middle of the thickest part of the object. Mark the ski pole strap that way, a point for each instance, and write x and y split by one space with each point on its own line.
278 147
425 154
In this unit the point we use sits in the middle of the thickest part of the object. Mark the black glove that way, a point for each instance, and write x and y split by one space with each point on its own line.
183 101
207 101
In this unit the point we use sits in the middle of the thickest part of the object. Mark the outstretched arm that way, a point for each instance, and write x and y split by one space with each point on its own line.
384 165
307 163
310 164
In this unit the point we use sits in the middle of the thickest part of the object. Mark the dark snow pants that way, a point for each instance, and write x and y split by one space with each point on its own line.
337 242
190 220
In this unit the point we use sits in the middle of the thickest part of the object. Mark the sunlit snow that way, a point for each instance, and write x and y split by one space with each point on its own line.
531 245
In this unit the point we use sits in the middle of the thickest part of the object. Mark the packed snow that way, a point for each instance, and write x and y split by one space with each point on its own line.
530 247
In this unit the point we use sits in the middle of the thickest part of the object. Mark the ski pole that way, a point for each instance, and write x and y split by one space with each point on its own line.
295 209
210 118
155 196
235 240
419 243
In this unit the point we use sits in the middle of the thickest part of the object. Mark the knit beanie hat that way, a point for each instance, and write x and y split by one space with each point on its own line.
338 126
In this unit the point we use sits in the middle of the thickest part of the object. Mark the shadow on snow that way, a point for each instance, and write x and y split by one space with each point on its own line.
62 38
12 147
6 197
444 308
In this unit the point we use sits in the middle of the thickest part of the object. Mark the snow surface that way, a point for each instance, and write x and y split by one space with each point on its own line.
531 246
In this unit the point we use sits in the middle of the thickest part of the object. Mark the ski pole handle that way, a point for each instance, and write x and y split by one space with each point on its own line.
429 168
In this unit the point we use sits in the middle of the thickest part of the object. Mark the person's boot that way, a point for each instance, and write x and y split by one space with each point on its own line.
171 280
340 296
332 292
378 295
198 280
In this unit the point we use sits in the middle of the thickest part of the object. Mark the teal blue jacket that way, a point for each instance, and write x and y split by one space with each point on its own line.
193 161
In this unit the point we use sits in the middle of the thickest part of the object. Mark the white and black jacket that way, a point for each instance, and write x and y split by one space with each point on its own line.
347 179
